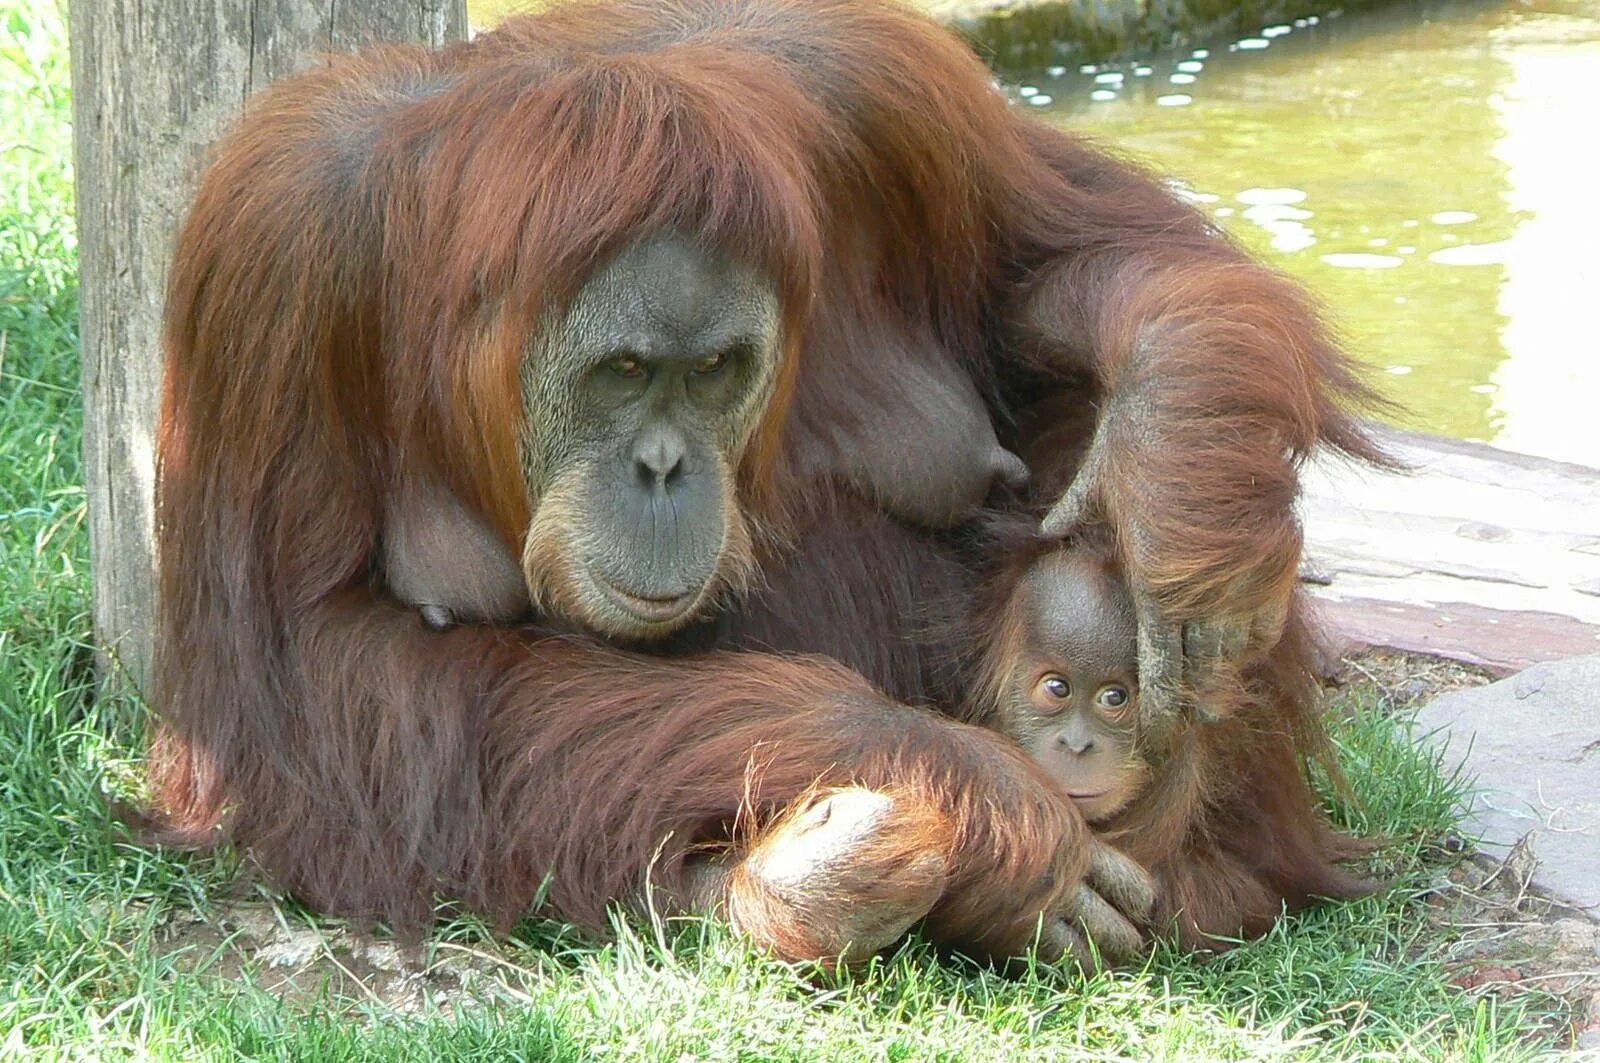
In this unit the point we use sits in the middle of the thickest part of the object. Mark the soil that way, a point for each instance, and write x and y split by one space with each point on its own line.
321 963
1505 939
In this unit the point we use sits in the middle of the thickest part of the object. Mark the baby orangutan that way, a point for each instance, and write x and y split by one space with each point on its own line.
1058 646
1060 675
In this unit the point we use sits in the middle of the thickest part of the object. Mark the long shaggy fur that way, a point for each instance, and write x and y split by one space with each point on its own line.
351 300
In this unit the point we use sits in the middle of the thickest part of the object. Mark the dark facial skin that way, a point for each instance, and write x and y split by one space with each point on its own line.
641 399
1070 681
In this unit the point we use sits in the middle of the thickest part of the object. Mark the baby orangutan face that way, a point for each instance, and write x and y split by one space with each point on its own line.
1067 680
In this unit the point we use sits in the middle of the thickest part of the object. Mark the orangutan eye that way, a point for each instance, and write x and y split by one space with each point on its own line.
707 366
1056 686
626 365
1112 697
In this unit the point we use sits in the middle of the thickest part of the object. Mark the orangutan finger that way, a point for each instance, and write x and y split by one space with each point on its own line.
1059 940
1160 646
1076 505
1122 882
1109 932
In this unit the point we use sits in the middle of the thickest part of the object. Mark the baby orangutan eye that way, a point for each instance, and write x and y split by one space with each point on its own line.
1112 697
1056 687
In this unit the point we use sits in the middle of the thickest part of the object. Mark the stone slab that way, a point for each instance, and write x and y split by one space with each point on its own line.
1499 641
1478 554
1532 743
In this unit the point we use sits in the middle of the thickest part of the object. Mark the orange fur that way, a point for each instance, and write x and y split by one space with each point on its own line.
350 301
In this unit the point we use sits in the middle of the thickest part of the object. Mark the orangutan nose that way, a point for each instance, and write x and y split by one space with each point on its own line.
658 456
1077 744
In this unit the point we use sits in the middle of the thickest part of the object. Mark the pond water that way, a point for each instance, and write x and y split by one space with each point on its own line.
1432 170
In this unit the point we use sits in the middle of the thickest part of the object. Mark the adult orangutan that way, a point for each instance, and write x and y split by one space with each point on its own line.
634 285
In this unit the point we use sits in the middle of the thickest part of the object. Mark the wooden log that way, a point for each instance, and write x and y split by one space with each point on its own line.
154 84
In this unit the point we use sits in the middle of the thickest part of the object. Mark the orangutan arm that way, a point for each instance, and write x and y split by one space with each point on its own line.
1215 379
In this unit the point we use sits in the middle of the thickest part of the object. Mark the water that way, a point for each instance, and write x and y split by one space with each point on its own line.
1432 170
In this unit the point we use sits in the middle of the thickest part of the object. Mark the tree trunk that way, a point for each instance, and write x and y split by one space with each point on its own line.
154 84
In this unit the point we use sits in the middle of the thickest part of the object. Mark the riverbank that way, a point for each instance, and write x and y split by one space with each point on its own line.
1023 33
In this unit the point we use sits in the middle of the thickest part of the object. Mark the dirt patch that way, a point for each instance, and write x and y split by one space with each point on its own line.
305 963
1406 680
1505 939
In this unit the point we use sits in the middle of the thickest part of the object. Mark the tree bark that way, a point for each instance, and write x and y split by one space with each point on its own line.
154 84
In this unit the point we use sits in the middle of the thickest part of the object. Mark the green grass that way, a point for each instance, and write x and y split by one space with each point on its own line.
82 975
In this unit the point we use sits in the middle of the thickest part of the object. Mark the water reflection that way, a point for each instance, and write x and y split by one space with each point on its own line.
1430 169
